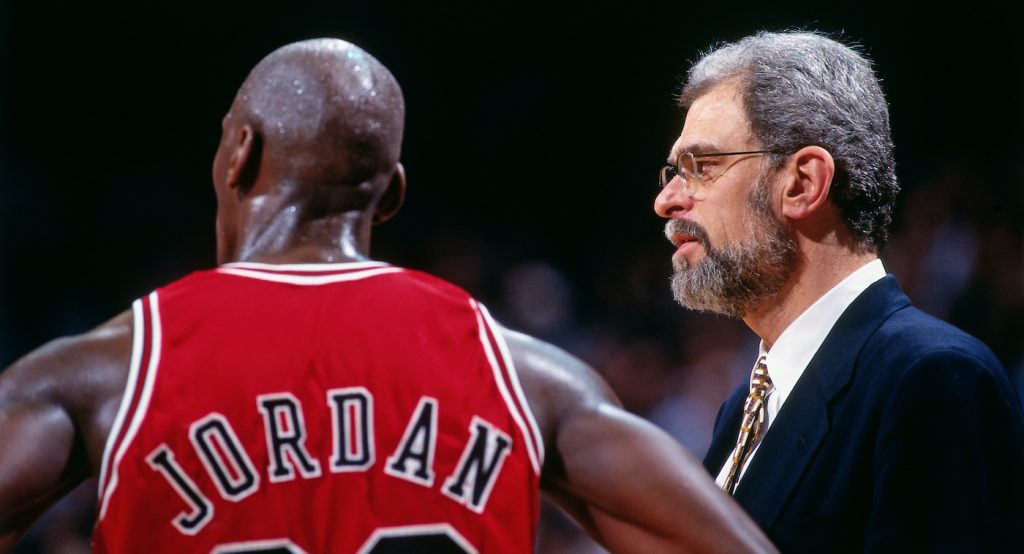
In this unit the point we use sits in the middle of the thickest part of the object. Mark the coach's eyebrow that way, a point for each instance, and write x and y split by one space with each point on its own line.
693 148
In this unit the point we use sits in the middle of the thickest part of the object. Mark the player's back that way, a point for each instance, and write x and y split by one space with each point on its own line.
318 408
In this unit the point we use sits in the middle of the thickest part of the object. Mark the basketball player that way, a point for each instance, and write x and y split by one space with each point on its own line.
303 398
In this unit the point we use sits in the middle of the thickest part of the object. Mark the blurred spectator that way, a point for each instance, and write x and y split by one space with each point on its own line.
712 355
537 299
66 528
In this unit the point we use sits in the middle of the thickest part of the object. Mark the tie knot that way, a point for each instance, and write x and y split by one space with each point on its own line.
760 382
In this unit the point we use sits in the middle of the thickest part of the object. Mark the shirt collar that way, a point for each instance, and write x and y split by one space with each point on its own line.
789 356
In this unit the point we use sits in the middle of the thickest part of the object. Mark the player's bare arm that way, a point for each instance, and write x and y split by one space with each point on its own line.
599 456
56 408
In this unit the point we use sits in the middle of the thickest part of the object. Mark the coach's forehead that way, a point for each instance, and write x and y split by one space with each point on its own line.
716 121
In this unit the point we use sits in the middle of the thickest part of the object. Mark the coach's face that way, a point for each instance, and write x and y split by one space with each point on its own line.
731 252
717 208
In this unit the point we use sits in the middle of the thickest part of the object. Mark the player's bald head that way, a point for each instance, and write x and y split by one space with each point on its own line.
326 112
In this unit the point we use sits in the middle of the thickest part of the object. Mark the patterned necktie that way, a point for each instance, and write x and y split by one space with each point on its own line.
754 414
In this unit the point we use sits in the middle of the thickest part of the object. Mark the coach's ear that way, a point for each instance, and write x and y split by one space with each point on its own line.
392 198
244 161
806 185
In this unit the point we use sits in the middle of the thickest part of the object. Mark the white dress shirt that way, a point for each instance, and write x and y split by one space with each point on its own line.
788 357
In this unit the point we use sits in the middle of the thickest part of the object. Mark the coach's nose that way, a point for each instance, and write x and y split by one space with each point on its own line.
672 201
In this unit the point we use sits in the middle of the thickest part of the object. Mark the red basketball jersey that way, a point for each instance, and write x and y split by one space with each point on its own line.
315 408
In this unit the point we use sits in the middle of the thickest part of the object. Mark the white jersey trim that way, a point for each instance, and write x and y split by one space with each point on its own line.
308 279
523 418
341 266
255 546
145 394
126 397
513 377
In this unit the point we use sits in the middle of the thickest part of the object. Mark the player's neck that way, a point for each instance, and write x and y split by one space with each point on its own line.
286 238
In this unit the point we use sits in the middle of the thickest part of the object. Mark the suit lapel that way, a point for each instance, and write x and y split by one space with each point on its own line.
784 453
803 423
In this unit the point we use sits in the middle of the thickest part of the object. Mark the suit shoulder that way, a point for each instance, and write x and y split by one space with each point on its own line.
910 334
912 350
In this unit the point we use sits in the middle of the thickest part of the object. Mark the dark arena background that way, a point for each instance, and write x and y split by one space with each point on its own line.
533 136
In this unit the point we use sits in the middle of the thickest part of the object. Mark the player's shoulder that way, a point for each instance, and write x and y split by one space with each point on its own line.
426 283
417 294
74 369
555 382
199 280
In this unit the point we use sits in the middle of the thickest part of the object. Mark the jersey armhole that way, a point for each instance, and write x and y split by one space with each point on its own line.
507 380
146 338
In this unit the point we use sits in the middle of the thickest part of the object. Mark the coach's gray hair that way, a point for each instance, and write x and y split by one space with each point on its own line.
800 89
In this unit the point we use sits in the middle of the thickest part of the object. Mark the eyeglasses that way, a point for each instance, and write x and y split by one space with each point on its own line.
694 172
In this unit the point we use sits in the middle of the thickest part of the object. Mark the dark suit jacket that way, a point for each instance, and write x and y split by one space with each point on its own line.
902 435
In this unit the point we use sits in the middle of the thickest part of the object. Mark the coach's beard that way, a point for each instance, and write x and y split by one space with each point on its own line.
734 279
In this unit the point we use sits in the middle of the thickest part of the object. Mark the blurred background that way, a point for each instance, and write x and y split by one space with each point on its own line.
534 133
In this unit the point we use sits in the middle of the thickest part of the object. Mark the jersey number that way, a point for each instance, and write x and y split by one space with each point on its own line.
425 539
263 550
275 546
438 538
428 544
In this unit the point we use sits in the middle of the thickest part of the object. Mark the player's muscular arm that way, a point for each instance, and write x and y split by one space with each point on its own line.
632 486
56 407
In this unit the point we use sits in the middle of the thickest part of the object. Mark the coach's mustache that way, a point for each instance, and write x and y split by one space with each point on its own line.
686 227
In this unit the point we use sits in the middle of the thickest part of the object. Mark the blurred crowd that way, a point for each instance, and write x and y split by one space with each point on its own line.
957 249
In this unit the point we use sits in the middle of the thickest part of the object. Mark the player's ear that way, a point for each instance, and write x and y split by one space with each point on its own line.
392 198
244 161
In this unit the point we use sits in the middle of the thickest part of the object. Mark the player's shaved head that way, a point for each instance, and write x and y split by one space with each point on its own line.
327 112
309 153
